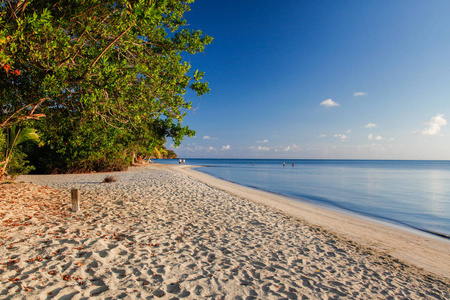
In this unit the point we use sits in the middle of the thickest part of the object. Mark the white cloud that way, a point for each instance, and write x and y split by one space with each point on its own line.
227 147
376 138
292 148
262 142
260 148
343 137
372 137
434 125
207 137
192 148
329 103
371 125
348 131
322 135
212 149
357 94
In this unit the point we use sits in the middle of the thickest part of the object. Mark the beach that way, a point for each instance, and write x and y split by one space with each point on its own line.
173 233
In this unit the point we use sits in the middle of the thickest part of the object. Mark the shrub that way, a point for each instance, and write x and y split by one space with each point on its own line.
109 179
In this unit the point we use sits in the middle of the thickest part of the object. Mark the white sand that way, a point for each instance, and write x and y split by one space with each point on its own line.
429 252
157 232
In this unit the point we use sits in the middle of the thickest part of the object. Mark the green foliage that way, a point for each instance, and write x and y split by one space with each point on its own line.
18 165
12 159
171 154
98 79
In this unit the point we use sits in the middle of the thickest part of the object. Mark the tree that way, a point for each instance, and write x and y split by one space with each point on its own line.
98 77
14 137
171 154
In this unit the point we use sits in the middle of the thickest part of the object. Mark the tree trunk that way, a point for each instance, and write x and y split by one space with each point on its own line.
3 171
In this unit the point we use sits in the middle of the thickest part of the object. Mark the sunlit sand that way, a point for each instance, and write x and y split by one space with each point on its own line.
162 231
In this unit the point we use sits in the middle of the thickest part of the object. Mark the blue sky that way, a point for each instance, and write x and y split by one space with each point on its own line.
322 79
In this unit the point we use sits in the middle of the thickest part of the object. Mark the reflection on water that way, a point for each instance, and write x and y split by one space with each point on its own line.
438 180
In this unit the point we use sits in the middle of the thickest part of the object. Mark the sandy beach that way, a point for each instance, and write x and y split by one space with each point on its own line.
173 233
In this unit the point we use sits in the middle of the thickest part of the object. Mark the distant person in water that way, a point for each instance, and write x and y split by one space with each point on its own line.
184 161
284 164
292 164
179 161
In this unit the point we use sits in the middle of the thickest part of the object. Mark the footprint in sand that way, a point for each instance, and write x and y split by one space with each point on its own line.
173 288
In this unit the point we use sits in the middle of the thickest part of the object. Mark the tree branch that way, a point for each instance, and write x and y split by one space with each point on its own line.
103 52
31 115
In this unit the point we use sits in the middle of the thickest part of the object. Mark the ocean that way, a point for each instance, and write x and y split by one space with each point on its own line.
410 194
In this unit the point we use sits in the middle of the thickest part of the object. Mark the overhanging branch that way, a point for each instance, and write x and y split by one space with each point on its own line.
103 52
30 115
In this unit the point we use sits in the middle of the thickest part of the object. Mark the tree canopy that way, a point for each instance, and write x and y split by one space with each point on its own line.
98 79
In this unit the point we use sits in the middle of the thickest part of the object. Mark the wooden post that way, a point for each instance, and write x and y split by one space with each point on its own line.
75 200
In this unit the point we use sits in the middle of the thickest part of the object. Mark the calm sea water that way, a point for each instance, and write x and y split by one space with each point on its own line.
415 194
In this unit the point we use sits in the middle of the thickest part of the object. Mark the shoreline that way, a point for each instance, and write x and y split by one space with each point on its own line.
385 237
343 211
406 194
159 232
